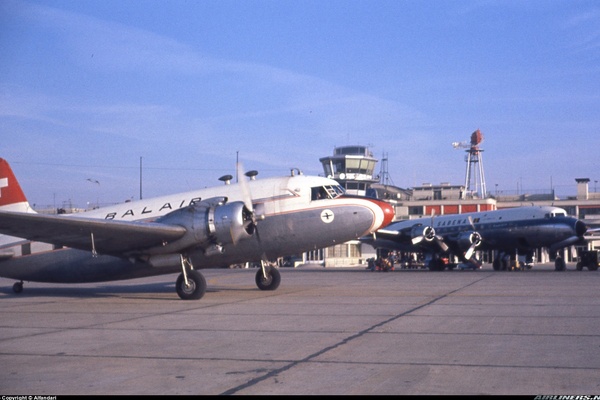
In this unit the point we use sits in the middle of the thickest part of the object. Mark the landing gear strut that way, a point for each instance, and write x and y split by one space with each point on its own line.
190 284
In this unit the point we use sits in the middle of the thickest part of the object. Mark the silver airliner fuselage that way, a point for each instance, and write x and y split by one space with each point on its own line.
207 228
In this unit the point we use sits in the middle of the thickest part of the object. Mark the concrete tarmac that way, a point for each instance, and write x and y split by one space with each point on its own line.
324 331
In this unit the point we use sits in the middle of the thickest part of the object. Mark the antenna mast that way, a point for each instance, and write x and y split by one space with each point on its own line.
384 175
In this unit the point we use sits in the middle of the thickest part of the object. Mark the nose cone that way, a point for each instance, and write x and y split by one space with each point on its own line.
385 216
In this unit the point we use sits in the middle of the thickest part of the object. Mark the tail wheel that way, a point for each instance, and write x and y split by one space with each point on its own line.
269 282
194 289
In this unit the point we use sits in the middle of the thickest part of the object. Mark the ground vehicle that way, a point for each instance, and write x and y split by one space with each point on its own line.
589 259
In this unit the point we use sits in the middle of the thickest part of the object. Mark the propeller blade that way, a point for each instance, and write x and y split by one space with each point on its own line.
440 242
246 197
469 252
471 222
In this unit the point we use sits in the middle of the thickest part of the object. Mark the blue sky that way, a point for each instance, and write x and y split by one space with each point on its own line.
89 87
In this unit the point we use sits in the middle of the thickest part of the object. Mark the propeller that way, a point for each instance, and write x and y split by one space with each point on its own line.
476 240
439 240
247 199
428 234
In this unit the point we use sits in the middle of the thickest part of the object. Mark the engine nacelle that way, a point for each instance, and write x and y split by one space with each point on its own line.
422 232
210 224
467 239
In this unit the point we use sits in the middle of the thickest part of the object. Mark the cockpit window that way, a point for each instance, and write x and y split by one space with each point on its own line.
556 214
326 192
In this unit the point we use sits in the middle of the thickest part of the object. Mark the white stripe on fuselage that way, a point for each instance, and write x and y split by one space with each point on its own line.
512 215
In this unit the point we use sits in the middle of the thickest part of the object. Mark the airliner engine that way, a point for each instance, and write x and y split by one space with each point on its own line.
210 224
468 239
421 232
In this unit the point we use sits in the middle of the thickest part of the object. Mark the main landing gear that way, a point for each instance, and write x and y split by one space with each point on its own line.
190 284
18 287
559 264
267 277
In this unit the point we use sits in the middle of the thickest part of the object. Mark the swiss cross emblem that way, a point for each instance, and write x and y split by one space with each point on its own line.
327 216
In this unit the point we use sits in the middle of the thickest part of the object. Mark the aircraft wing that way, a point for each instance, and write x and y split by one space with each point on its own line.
109 237
410 237
391 238
592 234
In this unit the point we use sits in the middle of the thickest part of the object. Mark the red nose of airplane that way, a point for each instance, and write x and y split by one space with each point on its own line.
388 213
386 216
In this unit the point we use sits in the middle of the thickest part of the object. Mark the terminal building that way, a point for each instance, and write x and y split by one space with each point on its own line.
354 168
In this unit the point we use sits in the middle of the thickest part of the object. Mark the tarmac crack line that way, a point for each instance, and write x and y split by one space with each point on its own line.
344 341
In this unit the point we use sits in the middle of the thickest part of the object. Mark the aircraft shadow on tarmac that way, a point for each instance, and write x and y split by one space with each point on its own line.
154 290
91 292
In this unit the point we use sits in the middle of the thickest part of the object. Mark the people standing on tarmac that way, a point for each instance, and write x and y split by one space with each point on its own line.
371 264
382 263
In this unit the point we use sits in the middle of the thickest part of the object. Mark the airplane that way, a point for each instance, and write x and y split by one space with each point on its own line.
254 220
510 231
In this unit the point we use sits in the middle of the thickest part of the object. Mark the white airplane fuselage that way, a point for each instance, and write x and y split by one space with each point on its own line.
289 220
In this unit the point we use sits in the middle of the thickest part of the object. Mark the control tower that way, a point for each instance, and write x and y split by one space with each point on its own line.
352 167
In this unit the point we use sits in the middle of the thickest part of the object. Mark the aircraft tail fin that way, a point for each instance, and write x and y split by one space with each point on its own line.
12 197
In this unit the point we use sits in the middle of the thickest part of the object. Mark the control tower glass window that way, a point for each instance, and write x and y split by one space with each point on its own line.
339 166
352 166
352 150
328 171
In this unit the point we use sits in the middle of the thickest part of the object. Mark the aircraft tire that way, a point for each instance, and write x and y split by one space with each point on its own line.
559 264
271 282
579 266
18 287
196 286
592 267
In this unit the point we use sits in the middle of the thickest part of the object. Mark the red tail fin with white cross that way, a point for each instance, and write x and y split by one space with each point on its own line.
12 197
